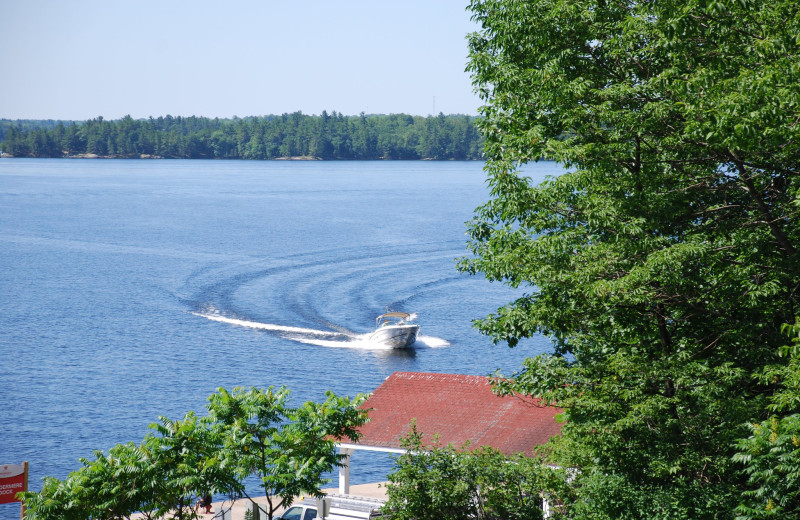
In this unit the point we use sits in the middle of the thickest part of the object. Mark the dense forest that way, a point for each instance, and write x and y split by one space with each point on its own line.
326 136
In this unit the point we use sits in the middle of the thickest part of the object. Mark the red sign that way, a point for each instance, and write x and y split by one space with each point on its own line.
12 481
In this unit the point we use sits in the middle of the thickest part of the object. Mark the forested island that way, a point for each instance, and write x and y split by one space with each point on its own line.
296 135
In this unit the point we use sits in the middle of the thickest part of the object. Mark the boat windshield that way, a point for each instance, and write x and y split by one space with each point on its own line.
392 318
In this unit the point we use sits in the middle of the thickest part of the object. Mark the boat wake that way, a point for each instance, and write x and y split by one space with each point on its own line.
362 342
322 338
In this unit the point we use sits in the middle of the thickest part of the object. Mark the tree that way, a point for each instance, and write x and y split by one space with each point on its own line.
249 432
321 145
184 457
288 449
446 483
116 485
73 141
333 136
771 455
664 263
158 479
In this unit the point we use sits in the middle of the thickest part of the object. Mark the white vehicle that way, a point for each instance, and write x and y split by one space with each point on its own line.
335 507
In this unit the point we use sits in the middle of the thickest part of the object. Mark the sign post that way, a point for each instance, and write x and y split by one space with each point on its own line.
13 479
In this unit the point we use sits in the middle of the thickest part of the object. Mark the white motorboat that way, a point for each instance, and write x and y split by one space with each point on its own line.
393 330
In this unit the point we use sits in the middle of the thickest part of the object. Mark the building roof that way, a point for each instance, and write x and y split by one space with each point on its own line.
459 408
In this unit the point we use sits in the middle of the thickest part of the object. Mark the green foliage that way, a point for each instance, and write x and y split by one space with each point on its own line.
665 262
27 125
249 432
184 456
158 478
288 449
445 483
771 454
328 136
66 500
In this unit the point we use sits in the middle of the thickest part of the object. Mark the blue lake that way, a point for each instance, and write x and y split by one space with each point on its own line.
133 289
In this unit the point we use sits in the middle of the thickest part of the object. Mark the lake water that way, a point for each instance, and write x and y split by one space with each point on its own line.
133 289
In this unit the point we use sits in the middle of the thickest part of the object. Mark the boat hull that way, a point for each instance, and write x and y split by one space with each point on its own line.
395 336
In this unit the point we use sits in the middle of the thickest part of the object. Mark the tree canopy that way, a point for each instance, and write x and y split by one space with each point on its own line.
771 454
664 264
248 432
433 482
288 449
327 136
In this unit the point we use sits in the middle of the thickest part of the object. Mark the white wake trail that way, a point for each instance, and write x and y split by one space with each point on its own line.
321 338
264 326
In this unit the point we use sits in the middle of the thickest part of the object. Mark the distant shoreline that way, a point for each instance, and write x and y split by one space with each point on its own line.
292 137
158 157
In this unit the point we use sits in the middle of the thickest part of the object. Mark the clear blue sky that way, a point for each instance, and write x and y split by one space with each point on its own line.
81 59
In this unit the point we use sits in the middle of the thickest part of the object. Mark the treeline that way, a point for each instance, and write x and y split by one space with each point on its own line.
327 136
27 125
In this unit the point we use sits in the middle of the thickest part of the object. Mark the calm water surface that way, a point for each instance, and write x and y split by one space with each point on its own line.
133 289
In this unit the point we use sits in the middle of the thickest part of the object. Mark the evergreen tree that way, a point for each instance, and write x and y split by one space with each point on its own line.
328 136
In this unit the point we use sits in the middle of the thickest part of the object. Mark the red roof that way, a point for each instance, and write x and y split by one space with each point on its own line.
459 408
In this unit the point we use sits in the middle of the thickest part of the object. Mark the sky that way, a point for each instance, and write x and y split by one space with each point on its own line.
79 59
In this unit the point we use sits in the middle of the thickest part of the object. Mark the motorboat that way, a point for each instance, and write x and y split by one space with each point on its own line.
393 330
